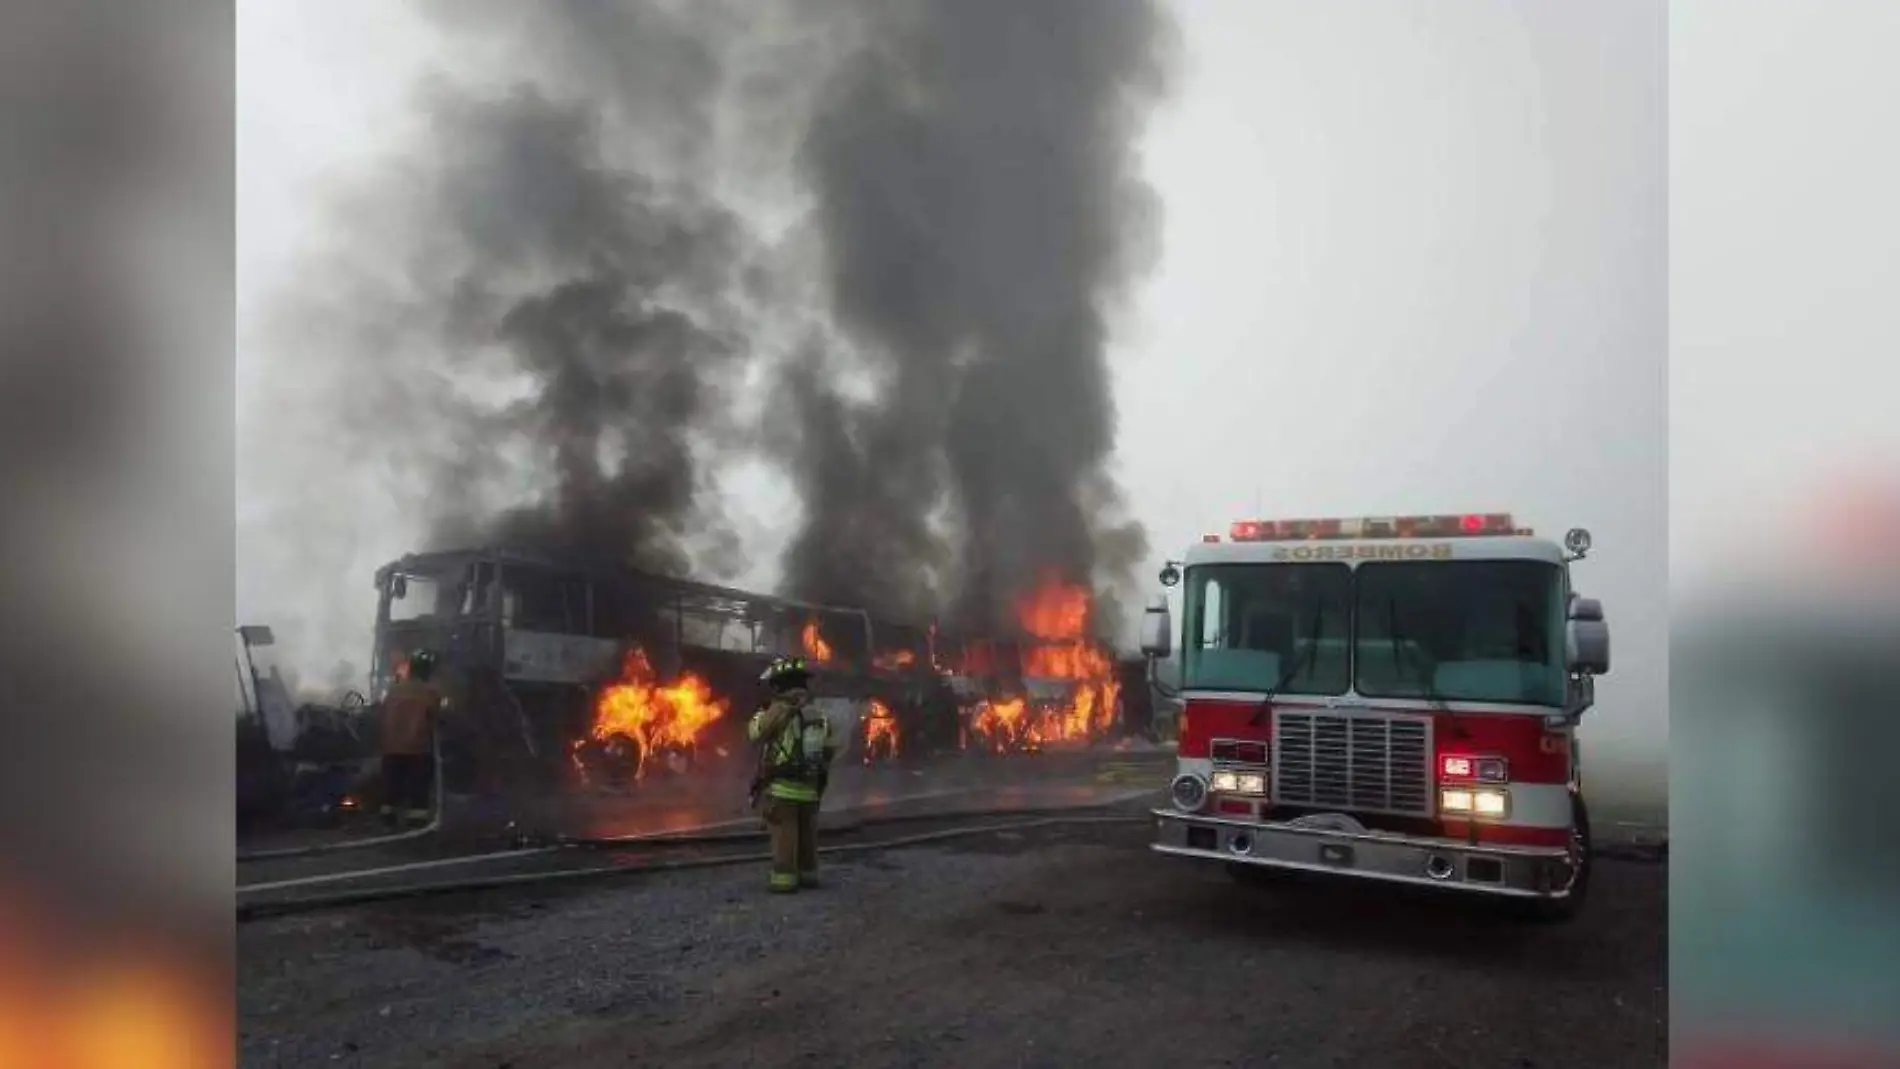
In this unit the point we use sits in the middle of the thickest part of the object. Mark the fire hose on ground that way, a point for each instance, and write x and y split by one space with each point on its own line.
701 836
434 825
444 887
690 837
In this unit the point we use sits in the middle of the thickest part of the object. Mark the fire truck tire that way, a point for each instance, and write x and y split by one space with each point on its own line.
1561 910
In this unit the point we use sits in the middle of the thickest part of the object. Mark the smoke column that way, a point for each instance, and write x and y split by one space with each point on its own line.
521 329
539 324
979 201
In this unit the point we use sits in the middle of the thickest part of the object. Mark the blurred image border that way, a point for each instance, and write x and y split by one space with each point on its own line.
1784 483
117 207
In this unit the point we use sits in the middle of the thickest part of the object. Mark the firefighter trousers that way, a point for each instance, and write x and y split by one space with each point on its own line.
407 783
794 832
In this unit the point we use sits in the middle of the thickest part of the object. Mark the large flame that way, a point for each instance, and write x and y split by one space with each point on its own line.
658 718
880 731
1057 615
815 645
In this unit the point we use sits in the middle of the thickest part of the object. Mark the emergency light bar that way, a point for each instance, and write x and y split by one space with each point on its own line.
1476 525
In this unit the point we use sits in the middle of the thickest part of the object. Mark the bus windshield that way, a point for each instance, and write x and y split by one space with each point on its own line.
1250 627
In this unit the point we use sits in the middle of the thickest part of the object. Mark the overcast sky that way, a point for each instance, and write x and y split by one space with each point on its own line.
1414 259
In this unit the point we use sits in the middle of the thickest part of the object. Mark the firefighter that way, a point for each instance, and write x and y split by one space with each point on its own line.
410 710
795 755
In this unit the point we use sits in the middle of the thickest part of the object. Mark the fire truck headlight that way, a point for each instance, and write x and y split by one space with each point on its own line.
1483 803
1228 782
1189 792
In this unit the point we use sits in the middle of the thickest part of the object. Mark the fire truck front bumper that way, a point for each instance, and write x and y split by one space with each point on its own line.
1523 872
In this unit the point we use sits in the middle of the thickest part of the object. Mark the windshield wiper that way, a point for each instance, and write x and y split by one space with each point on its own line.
1400 648
1286 679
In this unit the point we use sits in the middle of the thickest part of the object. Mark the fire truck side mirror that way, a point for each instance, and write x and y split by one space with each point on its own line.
1582 608
1157 628
1587 646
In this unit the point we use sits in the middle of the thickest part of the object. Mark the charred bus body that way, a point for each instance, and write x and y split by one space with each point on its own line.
526 643
1019 694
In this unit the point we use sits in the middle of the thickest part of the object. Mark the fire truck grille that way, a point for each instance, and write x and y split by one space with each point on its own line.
1359 762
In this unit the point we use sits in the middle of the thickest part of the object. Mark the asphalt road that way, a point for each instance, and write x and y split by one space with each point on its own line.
1045 948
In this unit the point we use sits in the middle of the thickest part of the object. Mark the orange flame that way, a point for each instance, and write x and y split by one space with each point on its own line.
1054 610
880 731
656 717
815 645
1058 614
1007 726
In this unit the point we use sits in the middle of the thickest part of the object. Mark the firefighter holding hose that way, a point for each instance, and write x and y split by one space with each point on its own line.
795 755
409 717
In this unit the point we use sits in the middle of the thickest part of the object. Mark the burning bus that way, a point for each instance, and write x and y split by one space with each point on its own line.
561 671
1050 683
565 673
1393 699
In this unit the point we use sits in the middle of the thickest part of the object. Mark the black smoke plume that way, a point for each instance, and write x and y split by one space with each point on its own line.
539 325
533 319
978 195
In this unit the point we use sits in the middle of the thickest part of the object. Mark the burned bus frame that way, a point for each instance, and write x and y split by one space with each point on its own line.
525 640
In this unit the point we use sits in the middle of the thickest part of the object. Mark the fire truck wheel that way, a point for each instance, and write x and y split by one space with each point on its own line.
1559 910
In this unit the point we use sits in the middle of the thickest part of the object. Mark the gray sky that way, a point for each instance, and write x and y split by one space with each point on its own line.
1414 259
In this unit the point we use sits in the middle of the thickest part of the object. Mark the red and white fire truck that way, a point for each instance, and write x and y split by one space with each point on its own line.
1391 698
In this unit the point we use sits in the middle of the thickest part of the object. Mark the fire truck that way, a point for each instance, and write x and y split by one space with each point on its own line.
1390 698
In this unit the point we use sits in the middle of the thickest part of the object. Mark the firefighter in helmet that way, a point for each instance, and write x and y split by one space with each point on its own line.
795 755
409 715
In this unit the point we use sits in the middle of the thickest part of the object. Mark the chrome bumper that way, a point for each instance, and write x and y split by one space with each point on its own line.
1522 872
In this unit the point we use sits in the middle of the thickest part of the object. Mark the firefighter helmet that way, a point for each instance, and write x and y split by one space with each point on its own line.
786 672
421 664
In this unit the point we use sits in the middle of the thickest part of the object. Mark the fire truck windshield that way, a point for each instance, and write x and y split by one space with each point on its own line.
1466 630
1439 630
1247 625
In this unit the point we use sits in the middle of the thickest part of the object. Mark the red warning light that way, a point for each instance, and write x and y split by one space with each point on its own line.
1448 525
